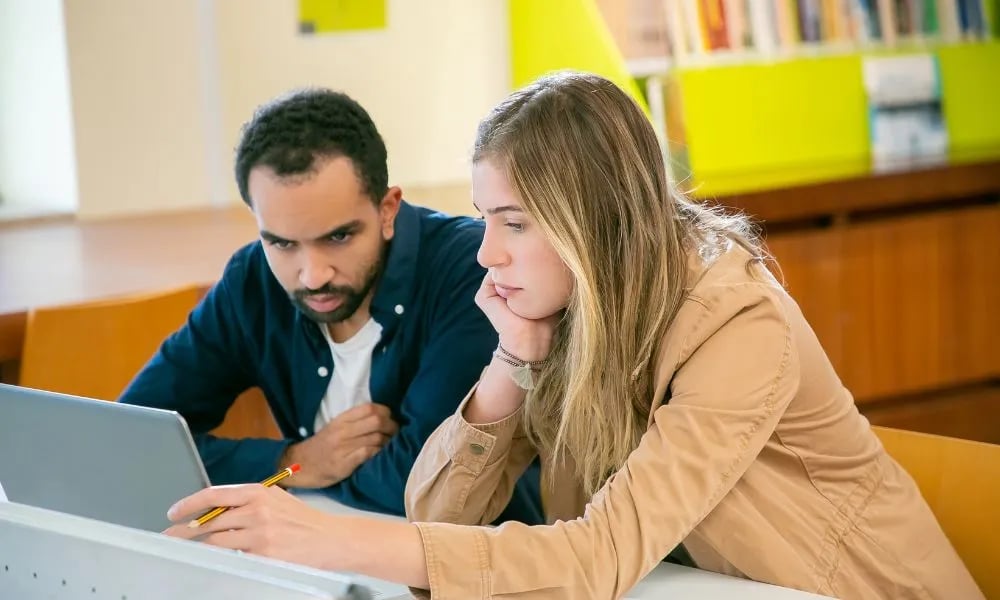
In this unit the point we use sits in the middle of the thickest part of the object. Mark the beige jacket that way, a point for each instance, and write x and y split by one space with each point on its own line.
760 464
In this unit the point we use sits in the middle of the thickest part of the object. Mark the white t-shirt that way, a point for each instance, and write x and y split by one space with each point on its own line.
352 369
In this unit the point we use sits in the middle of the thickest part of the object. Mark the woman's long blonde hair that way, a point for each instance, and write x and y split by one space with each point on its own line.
587 166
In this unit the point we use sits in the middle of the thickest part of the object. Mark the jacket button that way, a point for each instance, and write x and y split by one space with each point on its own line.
399 309
476 449
303 432
322 371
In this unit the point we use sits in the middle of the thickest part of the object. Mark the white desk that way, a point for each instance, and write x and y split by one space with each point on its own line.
675 581
666 580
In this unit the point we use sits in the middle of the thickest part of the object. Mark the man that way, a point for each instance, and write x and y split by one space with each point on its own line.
354 314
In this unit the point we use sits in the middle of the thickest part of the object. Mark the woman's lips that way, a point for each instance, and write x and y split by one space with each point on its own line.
504 291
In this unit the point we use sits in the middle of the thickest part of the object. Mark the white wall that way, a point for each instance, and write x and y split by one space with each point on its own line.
426 79
161 89
37 164
135 72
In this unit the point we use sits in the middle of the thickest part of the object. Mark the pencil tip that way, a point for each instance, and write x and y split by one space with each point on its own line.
193 524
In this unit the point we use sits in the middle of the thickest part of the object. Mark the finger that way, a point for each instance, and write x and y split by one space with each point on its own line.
234 539
182 531
205 500
361 412
389 427
237 518
361 455
382 423
375 439
486 290
488 283
370 424
381 410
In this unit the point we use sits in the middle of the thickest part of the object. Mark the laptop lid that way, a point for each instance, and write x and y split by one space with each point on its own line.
47 555
112 462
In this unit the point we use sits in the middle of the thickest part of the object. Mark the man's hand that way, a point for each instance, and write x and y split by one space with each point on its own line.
340 447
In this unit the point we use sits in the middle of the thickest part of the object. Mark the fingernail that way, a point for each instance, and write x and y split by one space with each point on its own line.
172 512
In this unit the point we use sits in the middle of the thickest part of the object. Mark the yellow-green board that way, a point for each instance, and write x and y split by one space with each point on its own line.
332 16
764 125
550 35
970 88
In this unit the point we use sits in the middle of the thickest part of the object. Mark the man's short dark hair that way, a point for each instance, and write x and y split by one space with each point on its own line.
291 133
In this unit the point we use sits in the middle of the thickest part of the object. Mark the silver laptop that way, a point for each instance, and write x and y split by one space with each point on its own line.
112 462
47 555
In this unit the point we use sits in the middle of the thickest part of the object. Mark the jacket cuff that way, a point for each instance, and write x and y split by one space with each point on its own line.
476 446
458 561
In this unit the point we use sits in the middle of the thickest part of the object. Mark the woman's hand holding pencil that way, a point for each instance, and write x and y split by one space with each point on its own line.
257 518
273 479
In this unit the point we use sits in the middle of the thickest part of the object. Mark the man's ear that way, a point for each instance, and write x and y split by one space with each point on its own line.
387 209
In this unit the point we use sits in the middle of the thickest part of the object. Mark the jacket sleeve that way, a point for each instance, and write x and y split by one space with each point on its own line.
466 473
727 398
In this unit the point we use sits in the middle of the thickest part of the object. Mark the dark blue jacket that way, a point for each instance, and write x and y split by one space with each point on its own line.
246 332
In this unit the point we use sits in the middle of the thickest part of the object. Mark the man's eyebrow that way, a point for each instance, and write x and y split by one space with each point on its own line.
267 235
348 227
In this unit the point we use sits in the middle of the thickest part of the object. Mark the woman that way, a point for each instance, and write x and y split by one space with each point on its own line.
658 369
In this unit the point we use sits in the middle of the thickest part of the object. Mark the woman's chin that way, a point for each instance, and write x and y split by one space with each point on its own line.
526 311
518 308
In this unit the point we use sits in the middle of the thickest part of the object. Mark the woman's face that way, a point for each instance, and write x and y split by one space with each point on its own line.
525 268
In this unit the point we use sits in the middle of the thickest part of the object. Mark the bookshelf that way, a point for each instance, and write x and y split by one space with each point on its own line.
684 32
767 124
768 107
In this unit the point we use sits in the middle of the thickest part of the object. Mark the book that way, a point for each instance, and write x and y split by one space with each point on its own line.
906 122
713 24
763 26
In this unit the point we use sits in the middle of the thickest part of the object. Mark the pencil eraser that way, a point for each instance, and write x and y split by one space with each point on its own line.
295 468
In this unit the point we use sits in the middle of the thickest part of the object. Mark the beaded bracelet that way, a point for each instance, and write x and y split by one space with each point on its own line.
523 369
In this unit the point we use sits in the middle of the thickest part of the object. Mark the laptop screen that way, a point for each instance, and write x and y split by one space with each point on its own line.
112 462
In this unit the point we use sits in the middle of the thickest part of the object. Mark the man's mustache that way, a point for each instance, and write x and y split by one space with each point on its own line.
326 290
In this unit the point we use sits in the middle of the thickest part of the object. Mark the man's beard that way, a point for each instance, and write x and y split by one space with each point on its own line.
352 297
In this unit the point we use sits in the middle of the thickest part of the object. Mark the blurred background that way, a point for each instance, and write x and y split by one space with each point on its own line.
864 135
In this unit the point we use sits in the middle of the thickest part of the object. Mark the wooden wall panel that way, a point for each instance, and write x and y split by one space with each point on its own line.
810 264
905 304
972 413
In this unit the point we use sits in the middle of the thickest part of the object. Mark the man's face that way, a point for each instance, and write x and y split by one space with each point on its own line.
324 238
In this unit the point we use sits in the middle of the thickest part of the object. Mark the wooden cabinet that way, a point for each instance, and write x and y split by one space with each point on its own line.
904 299
904 305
